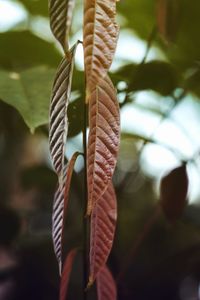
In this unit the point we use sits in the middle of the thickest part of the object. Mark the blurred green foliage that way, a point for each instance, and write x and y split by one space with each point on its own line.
23 50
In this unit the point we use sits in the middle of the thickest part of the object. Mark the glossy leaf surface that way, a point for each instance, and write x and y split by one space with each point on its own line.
100 39
103 223
60 209
66 274
58 111
106 287
60 12
103 143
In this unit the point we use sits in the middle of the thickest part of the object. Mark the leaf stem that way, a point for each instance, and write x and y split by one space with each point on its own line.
85 220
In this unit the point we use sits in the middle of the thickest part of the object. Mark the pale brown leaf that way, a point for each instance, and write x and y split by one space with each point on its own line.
58 127
61 12
66 274
106 287
60 209
168 18
100 39
103 142
173 193
103 224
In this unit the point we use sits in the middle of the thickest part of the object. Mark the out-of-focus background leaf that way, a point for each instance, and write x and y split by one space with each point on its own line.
156 72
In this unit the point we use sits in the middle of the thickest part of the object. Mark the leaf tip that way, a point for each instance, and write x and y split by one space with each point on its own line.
90 282
32 130
87 97
60 268
89 210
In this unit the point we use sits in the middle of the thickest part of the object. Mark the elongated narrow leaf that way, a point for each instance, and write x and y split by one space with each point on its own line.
103 223
167 18
106 287
60 209
103 140
61 12
66 274
100 39
58 111
173 189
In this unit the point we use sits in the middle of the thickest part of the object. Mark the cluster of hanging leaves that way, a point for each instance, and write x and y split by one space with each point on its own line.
100 34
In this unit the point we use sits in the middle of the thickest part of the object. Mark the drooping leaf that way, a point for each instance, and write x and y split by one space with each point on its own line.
58 111
103 223
106 287
60 209
60 20
103 142
167 18
100 39
173 193
30 51
28 92
66 274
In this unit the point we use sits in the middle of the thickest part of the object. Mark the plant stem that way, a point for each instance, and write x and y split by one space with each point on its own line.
85 220
149 44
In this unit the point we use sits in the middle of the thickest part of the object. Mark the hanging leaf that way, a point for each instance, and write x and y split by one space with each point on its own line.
60 209
106 287
103 142
173 193
58 111
28 92
100 39
167 18
103 223
66 274
61 12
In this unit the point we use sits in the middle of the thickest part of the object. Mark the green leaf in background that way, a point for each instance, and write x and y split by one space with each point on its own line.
22 49
155 75
185 52
158 76
36 7
138 15
29 92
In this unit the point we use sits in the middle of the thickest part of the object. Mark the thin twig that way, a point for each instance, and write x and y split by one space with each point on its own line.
149 44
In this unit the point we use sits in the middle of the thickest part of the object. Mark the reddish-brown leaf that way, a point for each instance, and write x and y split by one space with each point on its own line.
58 126
60 209
103 143
173 193
60 12
106 287
66 274
167 18
103 224
100 39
